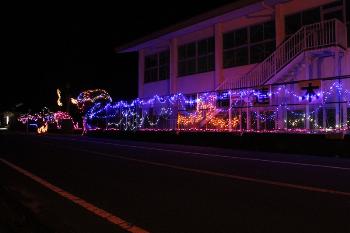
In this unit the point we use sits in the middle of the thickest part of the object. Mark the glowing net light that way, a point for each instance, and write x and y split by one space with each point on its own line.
43 129
59 116
74 101
59 103
221 123
87 99
209 111
47 118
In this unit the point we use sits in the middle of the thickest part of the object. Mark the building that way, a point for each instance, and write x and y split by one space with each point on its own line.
250 65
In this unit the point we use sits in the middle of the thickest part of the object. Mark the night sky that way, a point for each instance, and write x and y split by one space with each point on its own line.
71 47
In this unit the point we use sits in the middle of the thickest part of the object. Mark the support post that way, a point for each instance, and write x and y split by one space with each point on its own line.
307 117
345 116
173 66
337 73
240 119
219 77
258 119
248 118
230 113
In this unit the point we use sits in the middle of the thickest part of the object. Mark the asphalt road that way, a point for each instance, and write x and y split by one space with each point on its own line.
151 187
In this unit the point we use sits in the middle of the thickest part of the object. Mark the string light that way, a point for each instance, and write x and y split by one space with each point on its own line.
46 117
59 103
90 97
43 129
204 113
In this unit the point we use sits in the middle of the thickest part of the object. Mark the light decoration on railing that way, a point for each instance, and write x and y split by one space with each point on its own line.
203 113
223 124
45 118
205 109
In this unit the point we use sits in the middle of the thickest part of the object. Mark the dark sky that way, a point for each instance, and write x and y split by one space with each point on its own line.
49 46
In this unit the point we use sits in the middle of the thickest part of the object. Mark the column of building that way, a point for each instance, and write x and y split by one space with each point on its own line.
173 78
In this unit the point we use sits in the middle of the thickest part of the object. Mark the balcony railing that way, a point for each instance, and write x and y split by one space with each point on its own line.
319 35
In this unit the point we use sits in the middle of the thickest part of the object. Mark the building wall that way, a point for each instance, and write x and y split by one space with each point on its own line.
202 82
198 35
207 81
156 88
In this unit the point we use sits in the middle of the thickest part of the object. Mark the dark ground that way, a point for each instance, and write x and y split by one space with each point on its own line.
169 188
330 145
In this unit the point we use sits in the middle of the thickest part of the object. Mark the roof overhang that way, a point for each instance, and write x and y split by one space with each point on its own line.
228 12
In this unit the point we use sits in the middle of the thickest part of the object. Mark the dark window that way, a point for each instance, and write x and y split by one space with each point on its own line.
256 33
211 62
164 58
151 75
293 23
202 47
196 57
332 10
241 37
257 53
164 62
191 66
229 58
261 51
211 45
241 56
330 118
261 43
191 50
337 3
311 16
182 52
270 47
163 73
229 40
269 30
236 57
157 66
151 61
334 15
202 64
181 68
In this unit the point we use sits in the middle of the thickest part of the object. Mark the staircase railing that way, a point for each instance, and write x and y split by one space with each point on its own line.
323 34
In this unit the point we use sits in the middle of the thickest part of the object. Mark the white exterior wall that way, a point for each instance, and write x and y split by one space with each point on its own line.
202 82
156 88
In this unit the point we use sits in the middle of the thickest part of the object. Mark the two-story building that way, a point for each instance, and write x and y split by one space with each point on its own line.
252 65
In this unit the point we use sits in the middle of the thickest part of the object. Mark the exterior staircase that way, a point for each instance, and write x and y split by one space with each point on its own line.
314 36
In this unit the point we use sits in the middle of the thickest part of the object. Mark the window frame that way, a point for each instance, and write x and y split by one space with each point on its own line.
323 13
250 43
157 67
184 62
